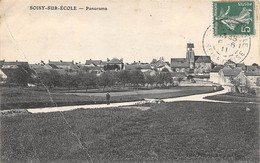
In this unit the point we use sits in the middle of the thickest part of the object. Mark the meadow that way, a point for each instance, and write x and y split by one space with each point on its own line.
168 132
24 98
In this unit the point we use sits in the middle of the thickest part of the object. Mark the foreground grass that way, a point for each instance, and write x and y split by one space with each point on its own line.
170 132
15 98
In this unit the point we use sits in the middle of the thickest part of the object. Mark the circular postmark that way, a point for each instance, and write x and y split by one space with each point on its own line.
225 47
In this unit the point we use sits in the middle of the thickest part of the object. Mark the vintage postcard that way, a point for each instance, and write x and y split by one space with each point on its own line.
129 81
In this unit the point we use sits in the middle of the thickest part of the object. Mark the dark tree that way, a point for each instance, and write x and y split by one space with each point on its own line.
163 78
150 79
67 81
111 67
52 79
22 75
165 70
123 77
159 78
179 79
106 79
136 77
88 80
168 78
75 81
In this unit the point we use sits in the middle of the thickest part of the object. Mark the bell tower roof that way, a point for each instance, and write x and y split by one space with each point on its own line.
190 45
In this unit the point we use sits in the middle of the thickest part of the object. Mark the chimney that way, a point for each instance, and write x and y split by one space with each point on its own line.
49 61
108 59
60 60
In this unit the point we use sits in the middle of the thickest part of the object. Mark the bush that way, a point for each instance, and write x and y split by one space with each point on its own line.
219 88
252 91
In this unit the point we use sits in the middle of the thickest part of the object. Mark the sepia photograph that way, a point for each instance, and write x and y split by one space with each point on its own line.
128 81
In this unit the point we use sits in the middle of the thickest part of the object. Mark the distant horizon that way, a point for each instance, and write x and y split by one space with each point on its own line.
74 61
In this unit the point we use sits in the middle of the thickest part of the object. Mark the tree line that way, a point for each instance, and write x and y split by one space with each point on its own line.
87 80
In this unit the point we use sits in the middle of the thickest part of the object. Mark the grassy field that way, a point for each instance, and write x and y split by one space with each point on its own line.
236 97
169 132
15 98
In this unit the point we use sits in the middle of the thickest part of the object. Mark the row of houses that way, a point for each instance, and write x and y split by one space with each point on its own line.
225 74
92 66
199 66
195 66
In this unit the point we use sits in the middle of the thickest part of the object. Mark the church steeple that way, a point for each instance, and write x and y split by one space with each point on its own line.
190 54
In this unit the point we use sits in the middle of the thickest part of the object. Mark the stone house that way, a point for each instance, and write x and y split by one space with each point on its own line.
180 65
227 74
242 66
67 66
195 65
114 64
242 83
253 77
230 63
160 65
214 73
93 63
252 68
19 70
138 66
202 65
13 65
40 68
59 70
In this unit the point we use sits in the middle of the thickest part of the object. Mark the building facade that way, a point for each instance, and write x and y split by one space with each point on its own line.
192 64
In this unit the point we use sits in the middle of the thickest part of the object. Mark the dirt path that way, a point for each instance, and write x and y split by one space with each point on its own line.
199 97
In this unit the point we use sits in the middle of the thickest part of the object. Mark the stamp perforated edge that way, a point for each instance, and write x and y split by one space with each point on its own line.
256 19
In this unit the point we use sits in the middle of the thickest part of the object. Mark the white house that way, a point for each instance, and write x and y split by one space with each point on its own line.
2 75
226 74
253 77
214 74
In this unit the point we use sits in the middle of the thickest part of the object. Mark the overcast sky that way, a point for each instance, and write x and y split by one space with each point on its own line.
133 30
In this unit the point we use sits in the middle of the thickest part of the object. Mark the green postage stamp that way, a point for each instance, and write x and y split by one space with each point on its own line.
233 18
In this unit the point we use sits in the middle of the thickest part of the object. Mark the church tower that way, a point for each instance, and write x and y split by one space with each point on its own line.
190 55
